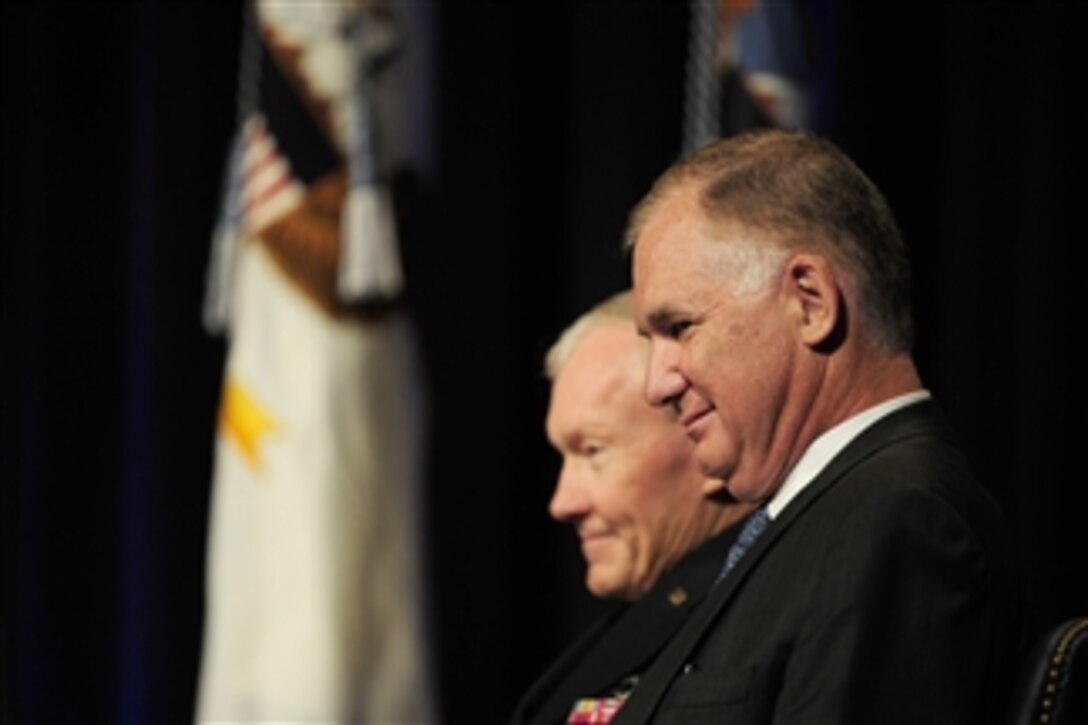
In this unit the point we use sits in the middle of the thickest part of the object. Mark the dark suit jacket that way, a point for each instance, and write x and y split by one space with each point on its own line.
884 593
625 638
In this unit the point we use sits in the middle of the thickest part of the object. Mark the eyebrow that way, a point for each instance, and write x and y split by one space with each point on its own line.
659 319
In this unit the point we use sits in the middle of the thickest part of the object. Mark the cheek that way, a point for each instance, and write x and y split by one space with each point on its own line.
664 482
669 462
711 362
614 499
741 368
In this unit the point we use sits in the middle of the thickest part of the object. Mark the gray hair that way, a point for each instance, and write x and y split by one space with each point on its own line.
616 309
802 193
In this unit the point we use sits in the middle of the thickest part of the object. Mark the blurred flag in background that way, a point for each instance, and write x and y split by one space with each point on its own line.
751 63
315 600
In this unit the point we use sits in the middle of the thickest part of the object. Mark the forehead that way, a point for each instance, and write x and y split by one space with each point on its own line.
674 254
601 379
607 356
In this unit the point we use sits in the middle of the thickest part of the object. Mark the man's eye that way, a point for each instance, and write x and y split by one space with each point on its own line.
592 449
676 329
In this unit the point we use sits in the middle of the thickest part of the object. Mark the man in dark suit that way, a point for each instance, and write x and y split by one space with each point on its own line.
773 284
653 528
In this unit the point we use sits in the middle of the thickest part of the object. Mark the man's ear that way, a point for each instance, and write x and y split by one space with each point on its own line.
813 292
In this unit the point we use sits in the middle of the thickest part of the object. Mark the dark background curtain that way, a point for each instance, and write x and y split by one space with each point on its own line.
552 120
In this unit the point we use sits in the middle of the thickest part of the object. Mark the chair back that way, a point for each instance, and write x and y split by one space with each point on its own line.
1054 682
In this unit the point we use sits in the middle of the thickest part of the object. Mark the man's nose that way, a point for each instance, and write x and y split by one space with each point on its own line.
569 501
664 382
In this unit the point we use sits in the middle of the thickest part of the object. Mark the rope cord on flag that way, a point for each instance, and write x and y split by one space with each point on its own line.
702 91
369 263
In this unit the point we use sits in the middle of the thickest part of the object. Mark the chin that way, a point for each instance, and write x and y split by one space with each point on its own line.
714 468
602 592
714 462
747 491
603 588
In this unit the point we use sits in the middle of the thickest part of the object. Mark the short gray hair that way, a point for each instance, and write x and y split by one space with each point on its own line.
803 192
616 309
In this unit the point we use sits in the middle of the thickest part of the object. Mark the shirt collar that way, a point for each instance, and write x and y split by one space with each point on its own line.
820 452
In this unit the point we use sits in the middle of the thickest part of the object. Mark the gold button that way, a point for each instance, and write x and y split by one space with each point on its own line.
678 596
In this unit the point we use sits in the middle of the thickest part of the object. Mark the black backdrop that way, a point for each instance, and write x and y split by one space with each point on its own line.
552 119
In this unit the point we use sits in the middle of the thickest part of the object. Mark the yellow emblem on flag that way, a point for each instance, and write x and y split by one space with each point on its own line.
244 422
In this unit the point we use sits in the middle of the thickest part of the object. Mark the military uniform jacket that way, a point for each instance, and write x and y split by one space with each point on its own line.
620 643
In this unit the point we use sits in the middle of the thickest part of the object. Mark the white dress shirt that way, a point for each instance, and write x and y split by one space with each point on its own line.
820 452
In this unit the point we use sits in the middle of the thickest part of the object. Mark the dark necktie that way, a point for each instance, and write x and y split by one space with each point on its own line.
753 527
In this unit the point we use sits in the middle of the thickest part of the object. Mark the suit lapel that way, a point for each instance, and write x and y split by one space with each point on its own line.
919 418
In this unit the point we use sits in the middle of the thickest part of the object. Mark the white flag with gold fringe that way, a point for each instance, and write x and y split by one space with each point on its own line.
315 593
